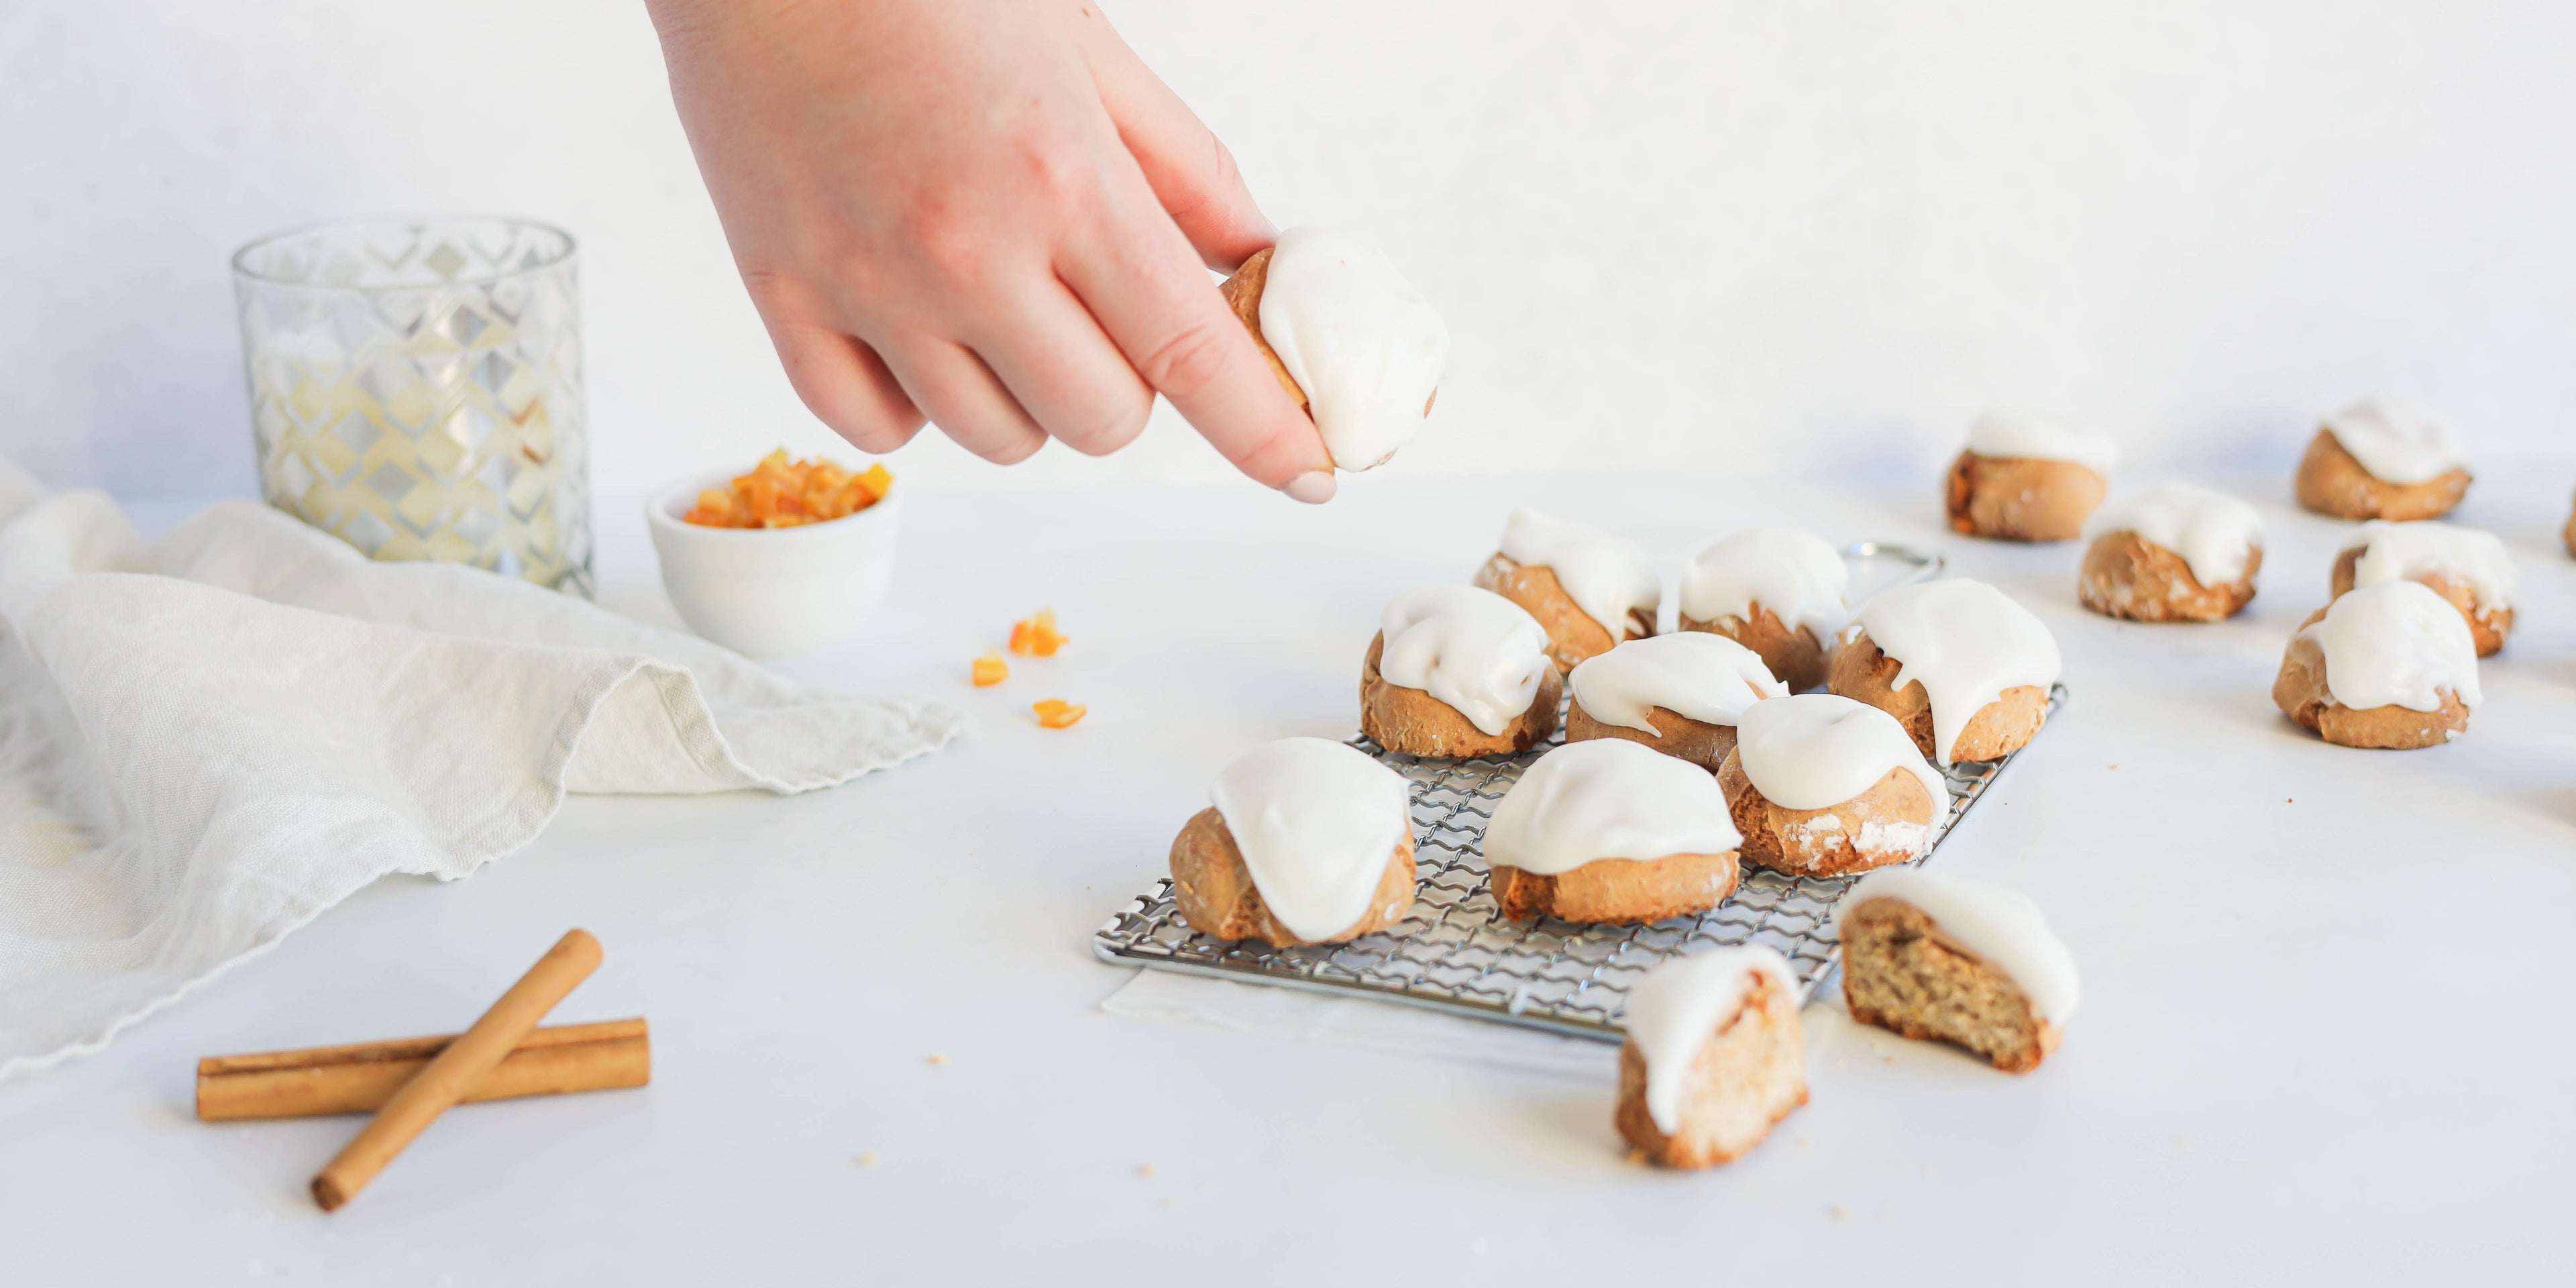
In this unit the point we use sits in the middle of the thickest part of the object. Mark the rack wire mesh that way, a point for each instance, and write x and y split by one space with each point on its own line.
1457 953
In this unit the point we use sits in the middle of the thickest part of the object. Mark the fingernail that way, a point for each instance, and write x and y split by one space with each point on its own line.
1314 487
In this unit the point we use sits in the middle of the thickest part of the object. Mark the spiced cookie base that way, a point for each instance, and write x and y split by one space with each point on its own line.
1889 823
1682 738
2489 629
2127 576
1214 891
2012 498
1748 1076
1620 891
1795 657
1863 673
1901 973
2301 693
2332 482
1415 723
1573 638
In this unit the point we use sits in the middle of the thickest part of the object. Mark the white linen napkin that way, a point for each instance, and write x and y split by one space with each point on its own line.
207 740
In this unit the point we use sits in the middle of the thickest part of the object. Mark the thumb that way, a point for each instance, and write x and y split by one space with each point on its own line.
1189 170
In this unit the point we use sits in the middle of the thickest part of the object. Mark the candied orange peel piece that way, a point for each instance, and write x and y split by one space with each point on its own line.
990 669
1056 713
1037 636
784 493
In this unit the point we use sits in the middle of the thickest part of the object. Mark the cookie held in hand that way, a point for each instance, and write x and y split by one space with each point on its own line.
1347 337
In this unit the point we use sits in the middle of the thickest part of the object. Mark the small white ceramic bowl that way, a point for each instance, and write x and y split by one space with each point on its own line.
773 592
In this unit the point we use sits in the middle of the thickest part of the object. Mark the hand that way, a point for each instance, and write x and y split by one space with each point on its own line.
986 212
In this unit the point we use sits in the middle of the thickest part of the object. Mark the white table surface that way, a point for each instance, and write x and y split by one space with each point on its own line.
2322 1036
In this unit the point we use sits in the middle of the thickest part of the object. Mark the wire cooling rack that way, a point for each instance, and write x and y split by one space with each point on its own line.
1457 953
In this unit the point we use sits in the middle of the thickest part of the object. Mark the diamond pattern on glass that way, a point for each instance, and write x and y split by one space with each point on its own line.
416 389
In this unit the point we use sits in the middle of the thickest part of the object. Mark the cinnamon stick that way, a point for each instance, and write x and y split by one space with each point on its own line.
457 1068
360 1077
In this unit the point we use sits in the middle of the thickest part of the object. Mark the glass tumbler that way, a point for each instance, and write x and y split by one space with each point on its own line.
415 388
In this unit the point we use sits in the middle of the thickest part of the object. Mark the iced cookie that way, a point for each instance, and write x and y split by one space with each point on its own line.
1588 588
1714 1056
1348 338
1959 961
2390 666
1457 671
1822 785
1776 591
2380 459
1679 694
1308 842
1610 831
2177 554
2027 478
2467 567
1957 662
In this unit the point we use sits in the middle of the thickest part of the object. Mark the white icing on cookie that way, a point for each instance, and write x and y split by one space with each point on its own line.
2402 551
2395 442
2018 435
2001 926
1317 822
1362 343
1608 798
1468 647
1794 574
1708 678
2397 644
1604 576
2215 533
1677 1007
1965 642
1817 750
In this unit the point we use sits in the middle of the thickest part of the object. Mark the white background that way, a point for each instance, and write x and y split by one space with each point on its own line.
1698 238
1733 235
2321 1040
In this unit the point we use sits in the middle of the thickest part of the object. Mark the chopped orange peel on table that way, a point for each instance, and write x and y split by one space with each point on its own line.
990 669
1037 636
784 493
1056 713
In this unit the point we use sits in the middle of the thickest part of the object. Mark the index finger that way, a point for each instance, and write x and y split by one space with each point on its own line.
1138 276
